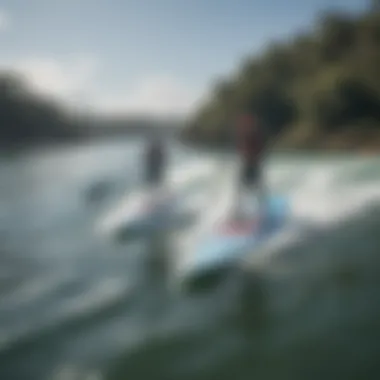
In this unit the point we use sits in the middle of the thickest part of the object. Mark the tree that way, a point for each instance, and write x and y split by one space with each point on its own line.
326 80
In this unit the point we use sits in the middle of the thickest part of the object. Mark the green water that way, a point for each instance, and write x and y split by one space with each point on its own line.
76 305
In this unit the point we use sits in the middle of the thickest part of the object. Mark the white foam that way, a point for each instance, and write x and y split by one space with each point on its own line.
198 170
321 200
324 201
178 180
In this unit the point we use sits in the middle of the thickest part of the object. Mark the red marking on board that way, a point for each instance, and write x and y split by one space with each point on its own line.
238 227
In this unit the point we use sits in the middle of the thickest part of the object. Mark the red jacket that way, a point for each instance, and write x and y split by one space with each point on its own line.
249 136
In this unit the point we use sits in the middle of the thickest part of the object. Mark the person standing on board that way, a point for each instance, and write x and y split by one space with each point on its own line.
155 162
251 146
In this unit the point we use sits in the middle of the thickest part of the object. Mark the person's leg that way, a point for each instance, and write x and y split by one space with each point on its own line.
152 182
240 190
155 174
261 195
254 186
248 190
259 184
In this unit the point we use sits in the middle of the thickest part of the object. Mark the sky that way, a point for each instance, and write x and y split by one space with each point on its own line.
150 56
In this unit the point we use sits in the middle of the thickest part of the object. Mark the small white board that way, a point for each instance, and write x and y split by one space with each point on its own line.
145 213
142 212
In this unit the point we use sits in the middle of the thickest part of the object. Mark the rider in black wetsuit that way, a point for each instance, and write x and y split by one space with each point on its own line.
155 162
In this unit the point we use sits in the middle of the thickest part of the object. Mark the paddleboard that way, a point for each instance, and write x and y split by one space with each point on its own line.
146 213
229 240
143 212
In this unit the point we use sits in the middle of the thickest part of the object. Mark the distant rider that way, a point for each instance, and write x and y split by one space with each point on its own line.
155 162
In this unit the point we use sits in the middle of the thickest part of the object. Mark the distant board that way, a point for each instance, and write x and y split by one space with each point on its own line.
144 212
229 240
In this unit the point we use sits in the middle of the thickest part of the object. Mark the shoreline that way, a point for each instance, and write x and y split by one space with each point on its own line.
364 142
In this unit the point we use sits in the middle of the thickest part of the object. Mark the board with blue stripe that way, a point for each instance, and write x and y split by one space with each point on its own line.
229 241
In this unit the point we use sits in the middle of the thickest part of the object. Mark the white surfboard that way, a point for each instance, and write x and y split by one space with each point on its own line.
145 212
228 241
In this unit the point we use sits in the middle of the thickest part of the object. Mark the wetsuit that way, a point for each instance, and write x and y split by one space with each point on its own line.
155 164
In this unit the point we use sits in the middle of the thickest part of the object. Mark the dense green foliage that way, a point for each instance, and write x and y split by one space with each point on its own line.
320 83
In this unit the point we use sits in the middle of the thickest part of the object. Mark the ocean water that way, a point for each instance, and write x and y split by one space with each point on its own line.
75 304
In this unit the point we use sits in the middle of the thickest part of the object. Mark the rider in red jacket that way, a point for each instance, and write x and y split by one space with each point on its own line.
251 145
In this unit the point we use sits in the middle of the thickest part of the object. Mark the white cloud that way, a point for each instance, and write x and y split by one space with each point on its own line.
68 80
5 20
64 79
73 80
158 95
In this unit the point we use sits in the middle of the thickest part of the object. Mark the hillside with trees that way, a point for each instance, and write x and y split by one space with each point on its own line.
319 90
28 119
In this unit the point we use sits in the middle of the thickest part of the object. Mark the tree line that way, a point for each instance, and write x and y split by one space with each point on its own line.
29 119
26 118
325 82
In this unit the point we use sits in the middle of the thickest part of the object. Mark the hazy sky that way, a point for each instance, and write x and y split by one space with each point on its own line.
143 55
